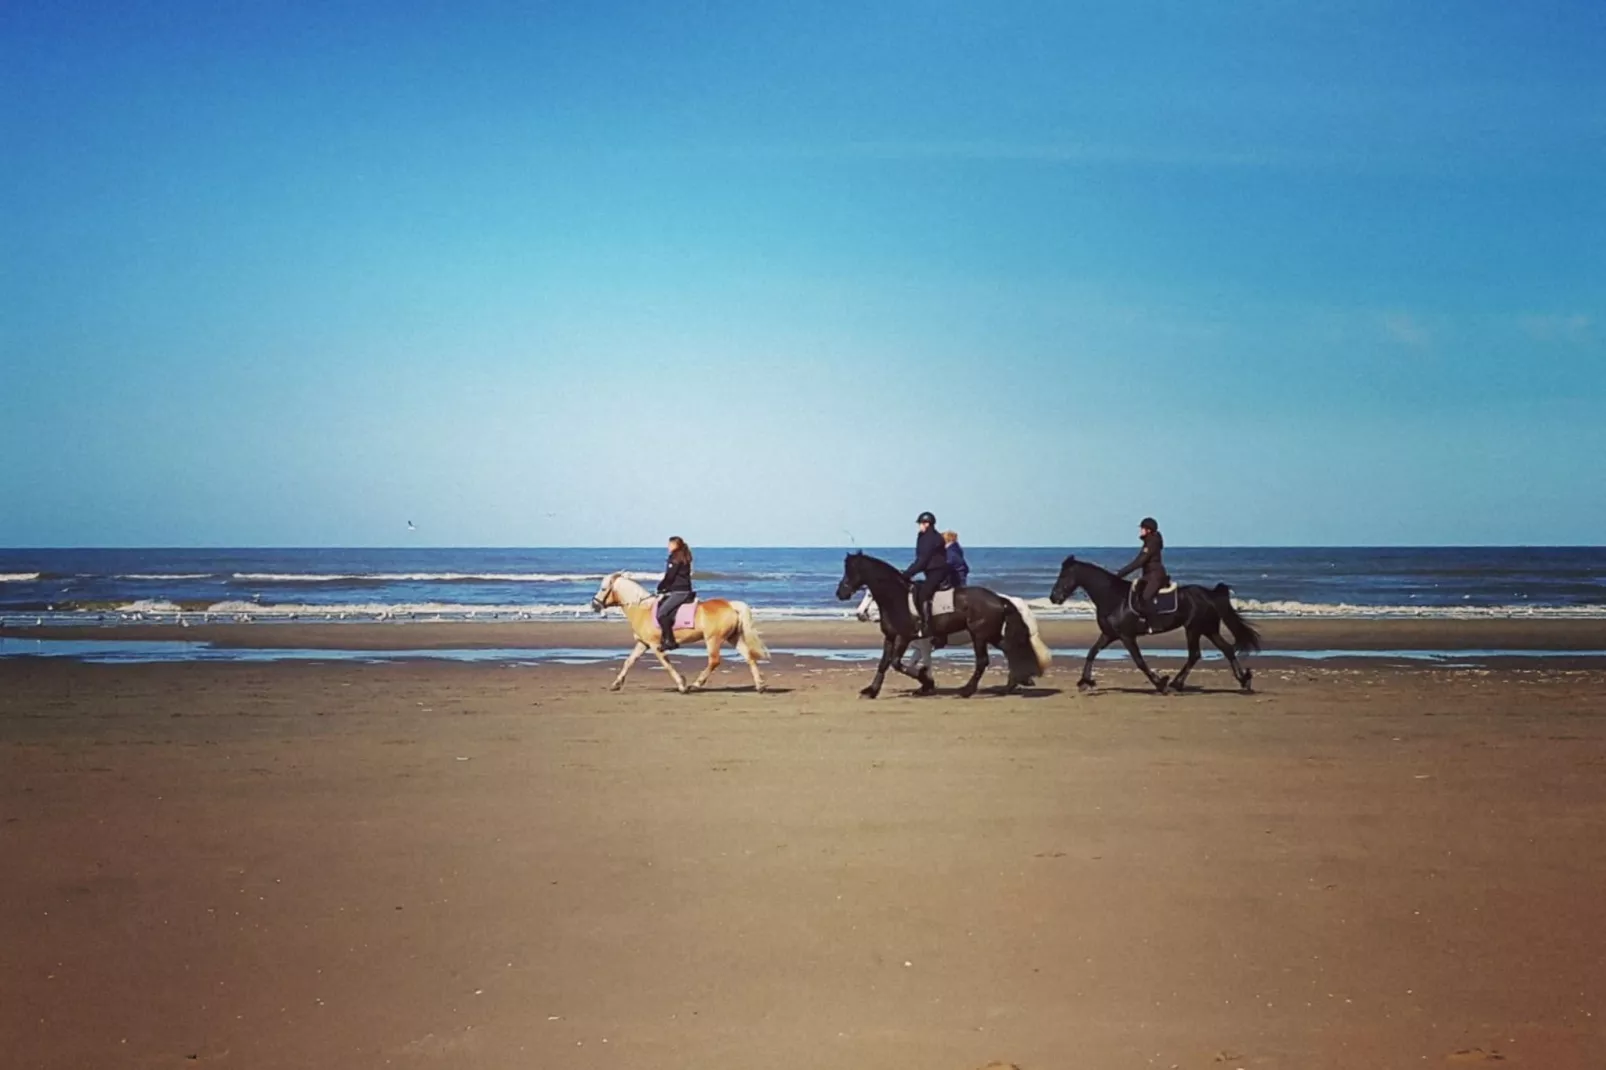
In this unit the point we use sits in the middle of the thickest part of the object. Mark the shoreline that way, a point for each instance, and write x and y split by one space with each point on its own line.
612 633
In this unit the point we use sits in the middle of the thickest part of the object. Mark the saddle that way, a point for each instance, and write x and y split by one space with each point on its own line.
1165 601
685 616
941 602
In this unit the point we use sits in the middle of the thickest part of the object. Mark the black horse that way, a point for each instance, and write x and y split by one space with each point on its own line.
989 617
1200 610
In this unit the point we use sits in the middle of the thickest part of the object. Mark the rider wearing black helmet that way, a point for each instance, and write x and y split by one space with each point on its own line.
931 557
1149 560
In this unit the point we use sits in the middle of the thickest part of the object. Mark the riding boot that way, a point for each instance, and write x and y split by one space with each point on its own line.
925 620
666 641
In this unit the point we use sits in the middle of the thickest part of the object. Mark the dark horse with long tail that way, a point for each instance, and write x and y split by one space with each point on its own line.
990 618
1200 610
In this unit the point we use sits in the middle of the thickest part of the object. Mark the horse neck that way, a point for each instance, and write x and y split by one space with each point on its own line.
881 579
891 592
629 592
1101 586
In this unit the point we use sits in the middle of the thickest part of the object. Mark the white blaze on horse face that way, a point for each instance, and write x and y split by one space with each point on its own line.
604 589
867 608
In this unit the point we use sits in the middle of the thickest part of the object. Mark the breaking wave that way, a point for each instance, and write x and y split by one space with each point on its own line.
354 578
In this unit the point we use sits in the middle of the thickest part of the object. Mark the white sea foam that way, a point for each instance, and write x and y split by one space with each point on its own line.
164 576
397 610
1249 607
1252 607
18 577
430 577
150 605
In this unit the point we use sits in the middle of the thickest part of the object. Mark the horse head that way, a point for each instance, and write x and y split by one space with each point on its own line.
605 596
1067 583
852 576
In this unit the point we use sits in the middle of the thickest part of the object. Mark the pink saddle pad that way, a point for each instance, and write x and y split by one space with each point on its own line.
685 616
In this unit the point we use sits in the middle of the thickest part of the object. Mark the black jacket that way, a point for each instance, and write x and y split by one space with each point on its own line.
677 577
1149 558
931 557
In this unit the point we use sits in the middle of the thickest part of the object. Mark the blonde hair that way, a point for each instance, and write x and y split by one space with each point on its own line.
950 536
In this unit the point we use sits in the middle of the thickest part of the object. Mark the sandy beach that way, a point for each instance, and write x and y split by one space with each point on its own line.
1071 635
440 865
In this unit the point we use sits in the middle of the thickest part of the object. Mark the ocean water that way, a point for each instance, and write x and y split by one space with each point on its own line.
114 586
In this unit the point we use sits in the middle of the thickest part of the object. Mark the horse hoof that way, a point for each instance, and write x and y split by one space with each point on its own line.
869 692
966 692
1247 683
615 687
1162 683
1085 685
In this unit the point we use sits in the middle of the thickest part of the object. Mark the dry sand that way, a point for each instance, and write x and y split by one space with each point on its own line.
441 865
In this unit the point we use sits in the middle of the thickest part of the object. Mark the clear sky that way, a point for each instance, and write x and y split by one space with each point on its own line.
586 274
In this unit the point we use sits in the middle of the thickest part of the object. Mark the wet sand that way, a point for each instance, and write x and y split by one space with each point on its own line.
613 633
441 865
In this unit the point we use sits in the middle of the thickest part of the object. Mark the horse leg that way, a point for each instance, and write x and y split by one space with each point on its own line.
1155 678
1086 682
1193 658
919 669
1242 675
881 670
981 667
713 643
619 681
663 659
752 663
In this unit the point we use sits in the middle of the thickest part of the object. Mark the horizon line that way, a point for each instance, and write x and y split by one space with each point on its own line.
825 546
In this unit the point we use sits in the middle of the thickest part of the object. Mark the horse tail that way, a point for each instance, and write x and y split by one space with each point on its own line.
1245 639
746 629
1039 648
1025 659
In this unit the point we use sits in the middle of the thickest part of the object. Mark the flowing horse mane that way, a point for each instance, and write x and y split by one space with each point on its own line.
627 590
876 572
1074 560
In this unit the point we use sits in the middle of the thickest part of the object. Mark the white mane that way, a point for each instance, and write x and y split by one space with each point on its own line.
627 590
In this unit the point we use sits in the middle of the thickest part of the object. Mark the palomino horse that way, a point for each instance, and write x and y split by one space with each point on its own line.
716 622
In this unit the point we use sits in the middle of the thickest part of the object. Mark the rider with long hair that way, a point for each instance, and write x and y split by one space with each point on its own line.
674 590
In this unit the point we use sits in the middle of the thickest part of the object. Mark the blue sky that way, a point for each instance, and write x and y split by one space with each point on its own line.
278 274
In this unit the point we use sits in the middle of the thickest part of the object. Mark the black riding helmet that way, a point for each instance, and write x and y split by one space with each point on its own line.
927 518
1150 523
